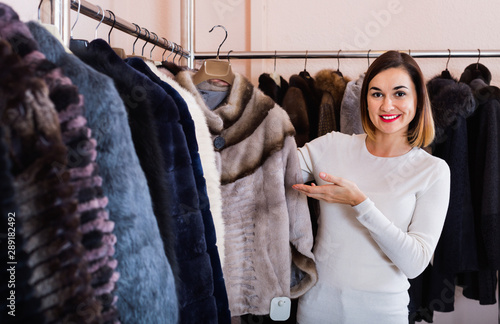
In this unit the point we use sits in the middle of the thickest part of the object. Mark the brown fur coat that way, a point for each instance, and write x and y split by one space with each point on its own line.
267 223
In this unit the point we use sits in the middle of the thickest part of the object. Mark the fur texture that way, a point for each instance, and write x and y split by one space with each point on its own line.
484 144
27 305
75 133
452 103
296 108
350 114
188 126
259 164
333 87
55 253
154 116
270 88
146 293
207 155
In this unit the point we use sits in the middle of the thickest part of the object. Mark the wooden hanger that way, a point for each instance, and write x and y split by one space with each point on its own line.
215 69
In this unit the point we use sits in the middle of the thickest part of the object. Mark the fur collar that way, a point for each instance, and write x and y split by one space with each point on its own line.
329 81
248 126
450 100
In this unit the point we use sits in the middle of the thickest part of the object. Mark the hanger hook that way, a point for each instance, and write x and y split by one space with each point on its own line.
409 52
77 16
218 50
113 25
180 55
176 52
148 36
39 8
275 61
165 42
338 60
139 34
172 49
478 58
368 57
100 9
449 57
154 45
228 56
305 62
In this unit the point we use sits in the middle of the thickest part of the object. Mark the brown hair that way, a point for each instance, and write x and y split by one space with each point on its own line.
421 128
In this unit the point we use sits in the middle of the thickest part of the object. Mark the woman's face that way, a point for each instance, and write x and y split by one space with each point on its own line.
392 101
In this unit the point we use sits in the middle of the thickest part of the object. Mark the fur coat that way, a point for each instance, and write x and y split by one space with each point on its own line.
452 103
350 114
47 217
268 85
332 85
484 164
95 226
188 126
146 293
13 85
253 138
159 139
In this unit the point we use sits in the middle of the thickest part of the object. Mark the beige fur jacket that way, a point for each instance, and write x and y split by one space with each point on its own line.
268 239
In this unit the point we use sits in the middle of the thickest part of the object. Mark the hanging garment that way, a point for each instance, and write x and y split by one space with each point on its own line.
47 216
253 138
274 90
452 103
296 107
188 126
180 198
27 304
207 157
96 228
332 86
484 167
350 114
146 293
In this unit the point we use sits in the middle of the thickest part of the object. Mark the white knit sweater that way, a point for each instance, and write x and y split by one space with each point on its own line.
365 254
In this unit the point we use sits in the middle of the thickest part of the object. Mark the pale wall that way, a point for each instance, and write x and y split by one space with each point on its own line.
318 25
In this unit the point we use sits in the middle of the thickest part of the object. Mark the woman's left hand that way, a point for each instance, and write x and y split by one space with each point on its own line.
339 190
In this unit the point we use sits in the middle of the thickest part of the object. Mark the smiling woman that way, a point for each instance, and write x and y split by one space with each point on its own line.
383 201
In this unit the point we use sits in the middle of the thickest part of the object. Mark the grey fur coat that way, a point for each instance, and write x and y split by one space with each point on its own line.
268 228
350 115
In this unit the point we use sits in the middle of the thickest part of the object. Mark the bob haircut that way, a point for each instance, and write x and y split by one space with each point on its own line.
421 128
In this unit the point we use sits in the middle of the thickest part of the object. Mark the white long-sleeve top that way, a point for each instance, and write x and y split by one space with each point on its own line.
376 246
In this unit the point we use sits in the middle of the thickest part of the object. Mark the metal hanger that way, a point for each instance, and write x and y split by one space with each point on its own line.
154 45
77 16
39 9
215 69
338 65
148 36
275 60
305 61
100 9
180 55
218 50
368 57
478 58
133 45
112 26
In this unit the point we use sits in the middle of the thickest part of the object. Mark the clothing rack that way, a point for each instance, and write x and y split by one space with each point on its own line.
343 54
95 12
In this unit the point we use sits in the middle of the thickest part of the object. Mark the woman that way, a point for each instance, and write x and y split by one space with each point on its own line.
383 201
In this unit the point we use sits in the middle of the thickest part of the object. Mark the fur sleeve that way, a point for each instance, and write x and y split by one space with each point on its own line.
304 274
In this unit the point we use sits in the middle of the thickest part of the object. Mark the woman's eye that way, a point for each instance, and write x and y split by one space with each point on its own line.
400 94
377 94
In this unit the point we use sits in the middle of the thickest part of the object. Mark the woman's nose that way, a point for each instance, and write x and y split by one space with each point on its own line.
386 104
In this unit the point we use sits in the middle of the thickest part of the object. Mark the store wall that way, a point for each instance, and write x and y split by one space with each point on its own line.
297 25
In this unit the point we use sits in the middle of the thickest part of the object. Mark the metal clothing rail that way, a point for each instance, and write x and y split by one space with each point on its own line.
96 13
344 54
